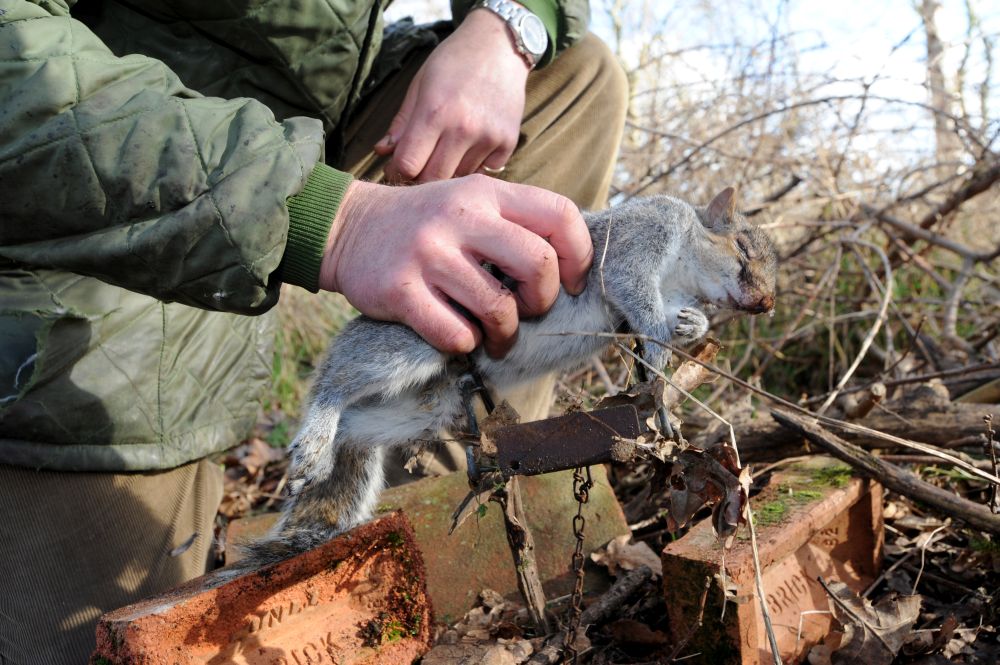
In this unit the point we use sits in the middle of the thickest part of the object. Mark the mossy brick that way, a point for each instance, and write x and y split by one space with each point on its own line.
477 556
359 599
813 520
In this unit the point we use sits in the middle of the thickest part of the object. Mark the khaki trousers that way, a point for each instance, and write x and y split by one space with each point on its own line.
75 545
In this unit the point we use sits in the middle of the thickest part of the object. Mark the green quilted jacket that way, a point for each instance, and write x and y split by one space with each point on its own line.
161 175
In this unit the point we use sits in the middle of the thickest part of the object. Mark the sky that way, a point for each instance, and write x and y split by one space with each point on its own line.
848 39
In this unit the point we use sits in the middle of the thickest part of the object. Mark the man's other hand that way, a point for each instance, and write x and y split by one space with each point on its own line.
400 254
464 107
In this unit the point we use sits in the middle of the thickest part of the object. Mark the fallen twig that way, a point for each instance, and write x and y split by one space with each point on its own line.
522 547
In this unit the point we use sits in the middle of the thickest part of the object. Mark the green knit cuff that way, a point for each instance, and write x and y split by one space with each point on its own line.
310 214
548 12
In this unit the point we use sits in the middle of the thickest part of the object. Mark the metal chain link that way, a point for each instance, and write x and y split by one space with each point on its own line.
581 492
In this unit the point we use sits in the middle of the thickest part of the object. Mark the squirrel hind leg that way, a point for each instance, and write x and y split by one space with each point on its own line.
313 453
322 510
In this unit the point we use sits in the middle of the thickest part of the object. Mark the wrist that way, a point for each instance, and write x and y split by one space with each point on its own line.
514 29
358 200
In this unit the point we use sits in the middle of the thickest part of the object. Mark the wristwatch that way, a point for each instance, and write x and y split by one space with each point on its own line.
530 37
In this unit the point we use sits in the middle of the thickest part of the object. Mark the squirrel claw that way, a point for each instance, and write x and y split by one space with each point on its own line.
692 325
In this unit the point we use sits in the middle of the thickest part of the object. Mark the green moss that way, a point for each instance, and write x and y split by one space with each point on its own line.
835 475
395 538
101 660
832 476
771 512
797 494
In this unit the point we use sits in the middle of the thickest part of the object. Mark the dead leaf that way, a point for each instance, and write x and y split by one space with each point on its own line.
928 641
873 635
696 478
621 554
255 454
690 374
646 397
463 653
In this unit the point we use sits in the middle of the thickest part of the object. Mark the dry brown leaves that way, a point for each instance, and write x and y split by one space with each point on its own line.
489 634
254 475
872 634
620 554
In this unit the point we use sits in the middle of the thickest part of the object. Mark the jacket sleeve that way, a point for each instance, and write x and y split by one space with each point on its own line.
110 167
566 21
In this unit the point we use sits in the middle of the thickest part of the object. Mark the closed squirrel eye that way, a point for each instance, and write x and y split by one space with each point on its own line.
742 248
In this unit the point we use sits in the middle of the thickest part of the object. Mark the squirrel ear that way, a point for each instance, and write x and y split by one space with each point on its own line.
722 209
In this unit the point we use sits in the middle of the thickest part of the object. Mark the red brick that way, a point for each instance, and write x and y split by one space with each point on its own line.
359 599
836 535
477 556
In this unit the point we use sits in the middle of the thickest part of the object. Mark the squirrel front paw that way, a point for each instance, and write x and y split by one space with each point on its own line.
692 325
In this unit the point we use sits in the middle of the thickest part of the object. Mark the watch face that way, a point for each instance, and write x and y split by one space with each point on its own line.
536 40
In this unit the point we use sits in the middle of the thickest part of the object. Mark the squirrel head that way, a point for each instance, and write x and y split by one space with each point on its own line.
739 254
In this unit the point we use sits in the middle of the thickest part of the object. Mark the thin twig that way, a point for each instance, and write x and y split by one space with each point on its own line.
918 378
844 607
931 237
694 627
759 580
992 452
872 332
923 554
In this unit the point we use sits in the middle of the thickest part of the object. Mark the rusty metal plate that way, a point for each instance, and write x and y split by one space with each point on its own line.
576 439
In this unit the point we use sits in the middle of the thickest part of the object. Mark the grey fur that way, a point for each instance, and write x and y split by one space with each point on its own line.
382 385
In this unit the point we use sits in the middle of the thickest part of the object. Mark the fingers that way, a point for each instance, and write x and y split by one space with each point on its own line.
444 161
433 318
411 153
525 257
558 220
499 157
458 151
426 145
401 120
474 158
460 276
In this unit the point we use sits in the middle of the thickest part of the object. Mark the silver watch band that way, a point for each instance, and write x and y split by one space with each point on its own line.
526 28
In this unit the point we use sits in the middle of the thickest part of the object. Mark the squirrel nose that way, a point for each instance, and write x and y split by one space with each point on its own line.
765 304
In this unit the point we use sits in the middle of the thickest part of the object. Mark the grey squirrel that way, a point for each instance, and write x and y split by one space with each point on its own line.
382 385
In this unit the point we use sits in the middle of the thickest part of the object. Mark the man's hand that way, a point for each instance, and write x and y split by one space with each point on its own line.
464 107
400 254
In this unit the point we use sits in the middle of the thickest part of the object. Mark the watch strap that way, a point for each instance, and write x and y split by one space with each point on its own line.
512 14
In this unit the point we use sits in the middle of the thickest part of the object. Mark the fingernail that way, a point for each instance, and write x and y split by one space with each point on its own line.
387 141
579 287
